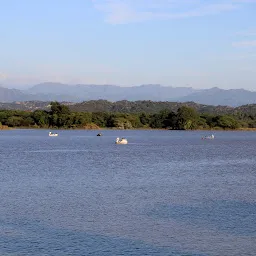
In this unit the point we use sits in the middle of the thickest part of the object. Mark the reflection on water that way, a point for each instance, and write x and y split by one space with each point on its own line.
233 217
165 193
36 239
59 150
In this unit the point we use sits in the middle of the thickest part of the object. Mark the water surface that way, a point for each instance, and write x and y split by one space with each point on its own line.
165 193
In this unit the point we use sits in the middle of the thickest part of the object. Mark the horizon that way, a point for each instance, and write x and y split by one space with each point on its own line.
176 43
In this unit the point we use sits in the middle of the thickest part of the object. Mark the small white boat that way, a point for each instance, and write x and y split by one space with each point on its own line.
211 137
53 134
122 141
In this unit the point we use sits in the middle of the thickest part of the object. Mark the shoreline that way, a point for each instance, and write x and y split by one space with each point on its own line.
116 129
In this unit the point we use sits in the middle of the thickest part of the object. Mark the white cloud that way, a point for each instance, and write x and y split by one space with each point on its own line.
251 43
127 11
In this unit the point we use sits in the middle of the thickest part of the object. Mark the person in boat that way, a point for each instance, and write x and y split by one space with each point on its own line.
53 134
208 137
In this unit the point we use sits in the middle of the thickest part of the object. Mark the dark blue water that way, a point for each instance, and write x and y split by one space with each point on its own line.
165 193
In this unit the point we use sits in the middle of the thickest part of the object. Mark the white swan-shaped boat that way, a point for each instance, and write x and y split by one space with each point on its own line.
122 141
53 134
211 137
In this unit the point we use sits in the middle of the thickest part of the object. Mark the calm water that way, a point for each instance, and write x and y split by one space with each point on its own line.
165 193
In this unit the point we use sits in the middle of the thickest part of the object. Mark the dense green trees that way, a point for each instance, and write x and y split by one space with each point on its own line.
41 118
185 118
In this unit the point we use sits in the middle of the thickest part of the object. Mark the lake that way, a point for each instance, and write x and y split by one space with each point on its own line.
165 193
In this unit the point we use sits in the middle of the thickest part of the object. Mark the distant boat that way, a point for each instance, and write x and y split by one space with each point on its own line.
122 141
99 134
53 134
211 137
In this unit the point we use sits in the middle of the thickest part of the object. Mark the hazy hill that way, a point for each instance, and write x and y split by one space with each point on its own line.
217 96
112 92
9 95
153 92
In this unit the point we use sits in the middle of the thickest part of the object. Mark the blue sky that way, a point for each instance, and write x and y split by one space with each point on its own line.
197 43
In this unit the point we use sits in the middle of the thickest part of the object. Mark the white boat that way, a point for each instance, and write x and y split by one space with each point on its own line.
211 137
53 134
122 141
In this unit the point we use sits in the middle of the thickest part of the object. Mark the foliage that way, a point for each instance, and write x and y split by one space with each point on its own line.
184 118
187 118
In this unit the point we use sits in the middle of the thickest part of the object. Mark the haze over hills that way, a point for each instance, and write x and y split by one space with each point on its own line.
154 92
216 96
113 92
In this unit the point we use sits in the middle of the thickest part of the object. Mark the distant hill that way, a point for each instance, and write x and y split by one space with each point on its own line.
9 95
130 107
146 106
113 93
29 105
217 96
12 95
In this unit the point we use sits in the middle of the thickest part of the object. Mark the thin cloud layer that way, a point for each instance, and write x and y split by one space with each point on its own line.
251 43
3 76
247 38
131 11
247 33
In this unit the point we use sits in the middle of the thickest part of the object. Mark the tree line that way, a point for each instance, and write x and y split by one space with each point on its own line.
185 118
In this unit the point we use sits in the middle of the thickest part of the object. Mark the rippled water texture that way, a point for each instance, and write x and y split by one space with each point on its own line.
165 193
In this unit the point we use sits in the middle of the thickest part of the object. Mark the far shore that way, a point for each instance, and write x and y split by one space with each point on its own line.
114 128
4 127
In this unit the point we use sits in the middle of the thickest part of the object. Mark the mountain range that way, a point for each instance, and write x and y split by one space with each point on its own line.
154 92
